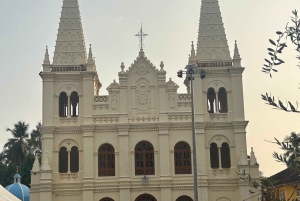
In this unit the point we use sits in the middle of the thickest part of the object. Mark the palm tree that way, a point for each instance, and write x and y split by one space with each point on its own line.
16 149
35 141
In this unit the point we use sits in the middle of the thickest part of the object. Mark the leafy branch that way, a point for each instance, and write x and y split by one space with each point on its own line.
291 32
288 106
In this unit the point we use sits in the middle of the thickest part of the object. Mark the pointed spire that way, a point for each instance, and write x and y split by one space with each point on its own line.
90 54
46 59
253 160
45 163
212 43
243 157
70 45
36 165
236 56
193 50
192 56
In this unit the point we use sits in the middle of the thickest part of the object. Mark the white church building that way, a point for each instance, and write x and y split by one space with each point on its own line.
135 144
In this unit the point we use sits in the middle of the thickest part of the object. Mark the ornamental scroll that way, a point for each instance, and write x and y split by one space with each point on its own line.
143 96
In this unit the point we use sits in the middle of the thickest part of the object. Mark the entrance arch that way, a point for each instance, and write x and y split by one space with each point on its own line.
145 197
106 199
184 198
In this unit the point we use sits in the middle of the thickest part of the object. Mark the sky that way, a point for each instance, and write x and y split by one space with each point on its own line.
109 25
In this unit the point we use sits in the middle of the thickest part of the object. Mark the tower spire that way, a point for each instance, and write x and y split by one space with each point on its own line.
90 54
236 56
212 43
46 59
70 45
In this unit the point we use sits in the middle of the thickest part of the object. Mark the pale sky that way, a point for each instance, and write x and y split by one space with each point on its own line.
109 25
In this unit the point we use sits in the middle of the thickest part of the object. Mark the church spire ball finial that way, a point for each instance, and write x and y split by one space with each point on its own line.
141 35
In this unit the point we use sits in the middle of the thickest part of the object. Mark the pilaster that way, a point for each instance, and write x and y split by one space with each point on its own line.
198 97
88 162
48 98
88 96
237 93
164 150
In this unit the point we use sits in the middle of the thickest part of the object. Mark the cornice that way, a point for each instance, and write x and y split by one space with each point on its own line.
88 128
48 129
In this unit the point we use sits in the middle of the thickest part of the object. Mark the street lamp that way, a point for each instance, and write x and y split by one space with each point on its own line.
190 75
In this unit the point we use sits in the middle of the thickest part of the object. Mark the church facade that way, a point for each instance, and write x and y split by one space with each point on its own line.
135 144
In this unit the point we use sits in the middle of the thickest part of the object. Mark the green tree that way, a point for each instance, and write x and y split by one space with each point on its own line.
16 149
290 146
35 141
290 34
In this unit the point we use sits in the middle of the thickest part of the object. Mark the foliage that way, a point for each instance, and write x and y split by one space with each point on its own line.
267 188
292 34
291 149
20 151
16 150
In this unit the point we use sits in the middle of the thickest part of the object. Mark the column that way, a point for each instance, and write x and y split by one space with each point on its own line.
69 106
124 164
88 162
217 102
220 161
69 161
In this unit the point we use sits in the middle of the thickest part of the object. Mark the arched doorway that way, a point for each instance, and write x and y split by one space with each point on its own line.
145 197
184 198
106 199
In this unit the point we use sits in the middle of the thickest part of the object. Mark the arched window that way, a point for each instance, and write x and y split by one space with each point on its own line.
144 158
74 104
211 100
182 158
222 97
106 160
63 104
63 160
225 156
184 198
106 199
145 197
214 156
74 160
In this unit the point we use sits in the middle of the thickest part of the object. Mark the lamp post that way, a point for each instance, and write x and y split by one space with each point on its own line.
190 75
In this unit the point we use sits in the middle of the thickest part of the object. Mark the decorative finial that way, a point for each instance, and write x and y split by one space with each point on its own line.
141 36
90 54
253 160
17 169
46 59
122 67
161 66
193 50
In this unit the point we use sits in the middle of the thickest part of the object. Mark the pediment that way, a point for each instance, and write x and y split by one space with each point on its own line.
142 67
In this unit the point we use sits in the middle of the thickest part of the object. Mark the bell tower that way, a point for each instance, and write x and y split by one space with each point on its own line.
220 98
70 83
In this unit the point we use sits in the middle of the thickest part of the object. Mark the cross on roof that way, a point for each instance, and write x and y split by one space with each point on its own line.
141 36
